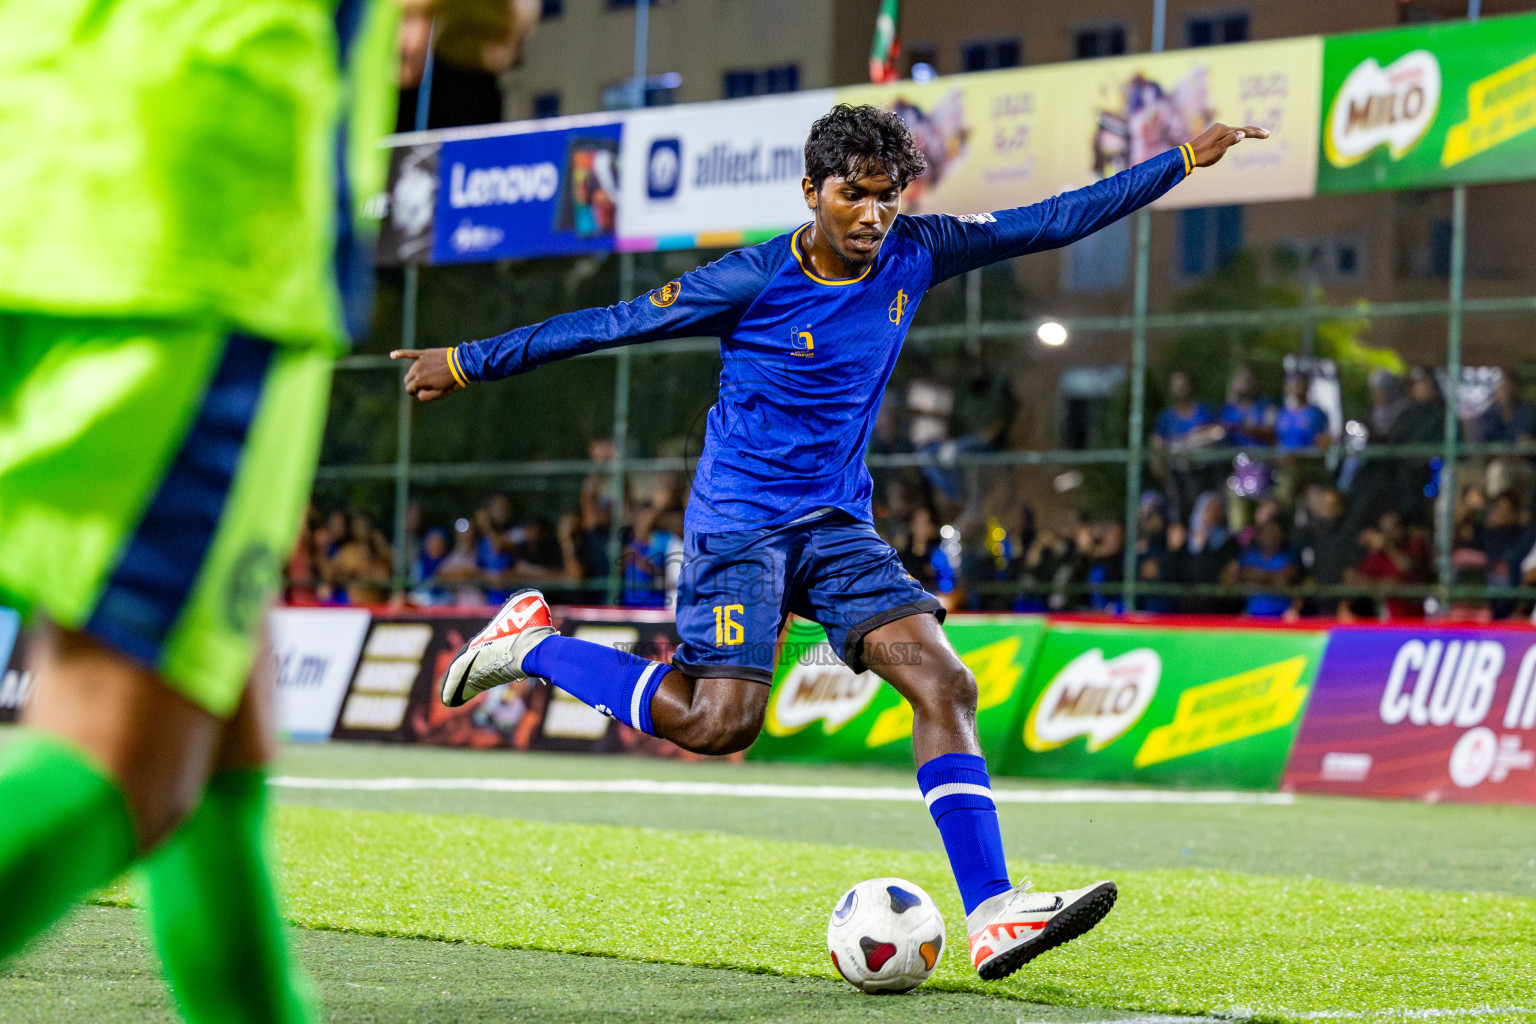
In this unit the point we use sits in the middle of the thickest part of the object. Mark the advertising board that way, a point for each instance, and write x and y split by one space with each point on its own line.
1165 706
313 653
1432 105
716 174
541 193
394 691
821 710
1425 713
15 680
1008 138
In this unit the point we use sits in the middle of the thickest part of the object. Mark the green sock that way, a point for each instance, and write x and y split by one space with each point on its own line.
64 830
214 913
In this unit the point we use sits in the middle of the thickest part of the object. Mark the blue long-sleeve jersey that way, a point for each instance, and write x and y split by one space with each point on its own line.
806 359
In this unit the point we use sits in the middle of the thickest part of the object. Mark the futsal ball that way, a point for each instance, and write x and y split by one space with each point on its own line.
885 935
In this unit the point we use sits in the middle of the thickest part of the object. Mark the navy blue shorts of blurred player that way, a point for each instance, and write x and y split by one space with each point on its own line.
738 587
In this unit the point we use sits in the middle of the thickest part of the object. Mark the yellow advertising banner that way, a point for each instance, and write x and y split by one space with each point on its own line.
1008 138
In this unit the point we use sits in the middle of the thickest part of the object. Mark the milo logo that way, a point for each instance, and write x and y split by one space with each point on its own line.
1094 697
1390 106
810 692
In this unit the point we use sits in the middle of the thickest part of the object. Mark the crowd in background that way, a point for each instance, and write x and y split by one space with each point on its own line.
1261 506
1310 513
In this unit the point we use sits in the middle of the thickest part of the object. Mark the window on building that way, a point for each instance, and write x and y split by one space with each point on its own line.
1210 236
660 91
551 8
1216 29
1102 41
1440 236
990 54
1085 405
922 62
546 104
1324 258
762 81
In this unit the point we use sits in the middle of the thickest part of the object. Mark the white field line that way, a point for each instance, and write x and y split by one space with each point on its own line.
1393 1015
652 787
1145 1019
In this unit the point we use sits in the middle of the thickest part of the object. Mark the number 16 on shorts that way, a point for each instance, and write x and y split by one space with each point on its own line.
728 631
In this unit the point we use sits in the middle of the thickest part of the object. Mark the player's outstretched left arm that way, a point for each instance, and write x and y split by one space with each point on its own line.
959 244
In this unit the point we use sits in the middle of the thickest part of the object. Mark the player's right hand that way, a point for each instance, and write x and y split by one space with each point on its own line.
429 377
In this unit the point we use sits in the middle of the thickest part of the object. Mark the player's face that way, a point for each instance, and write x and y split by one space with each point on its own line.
854 216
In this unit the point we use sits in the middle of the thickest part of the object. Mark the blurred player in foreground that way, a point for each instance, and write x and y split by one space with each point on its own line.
779 520
176 224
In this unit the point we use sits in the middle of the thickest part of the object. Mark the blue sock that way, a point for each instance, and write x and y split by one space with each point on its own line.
617 683
959 796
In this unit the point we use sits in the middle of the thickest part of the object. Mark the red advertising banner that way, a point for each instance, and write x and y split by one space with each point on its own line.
1425 713
394 690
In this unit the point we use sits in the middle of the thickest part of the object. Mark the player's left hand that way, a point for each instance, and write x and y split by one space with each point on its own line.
1212 144
429 377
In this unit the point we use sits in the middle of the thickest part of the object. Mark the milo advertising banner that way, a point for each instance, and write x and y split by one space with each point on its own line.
1206 707
1444 104
821 710
1425 713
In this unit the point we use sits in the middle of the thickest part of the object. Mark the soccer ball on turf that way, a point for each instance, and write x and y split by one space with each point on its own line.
885 935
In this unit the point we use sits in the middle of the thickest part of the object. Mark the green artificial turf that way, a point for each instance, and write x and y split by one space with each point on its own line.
97 967
1249 946
1376 842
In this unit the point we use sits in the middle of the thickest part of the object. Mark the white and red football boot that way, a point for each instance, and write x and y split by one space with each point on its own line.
1012 928
495 654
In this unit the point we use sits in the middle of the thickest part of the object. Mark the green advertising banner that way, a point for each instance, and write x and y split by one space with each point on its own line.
820 710
1444 104
1188 707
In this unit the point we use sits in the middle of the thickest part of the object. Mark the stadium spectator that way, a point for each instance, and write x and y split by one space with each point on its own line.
1506 539
1152 556
1300 425
1248 418
459 571
1393 554
923 555
1105 551
1206 551
302 573
1044 572
1184 425
596 509
426 589
1509 418
361 569
1266 562
653 551
1324 548
496 552
538 548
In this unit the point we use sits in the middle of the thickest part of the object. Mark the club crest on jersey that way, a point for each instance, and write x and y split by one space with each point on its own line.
898 306
801 343
666 294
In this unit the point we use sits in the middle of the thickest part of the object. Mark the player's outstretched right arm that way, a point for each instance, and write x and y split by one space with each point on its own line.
708 301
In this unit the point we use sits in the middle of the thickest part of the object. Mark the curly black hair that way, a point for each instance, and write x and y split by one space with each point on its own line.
852 142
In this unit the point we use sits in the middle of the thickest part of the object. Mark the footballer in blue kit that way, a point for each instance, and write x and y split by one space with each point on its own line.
779 520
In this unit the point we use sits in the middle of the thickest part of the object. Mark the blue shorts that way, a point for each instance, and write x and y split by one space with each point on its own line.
737 588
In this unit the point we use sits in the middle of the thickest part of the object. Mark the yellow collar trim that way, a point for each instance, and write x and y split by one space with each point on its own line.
794 244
